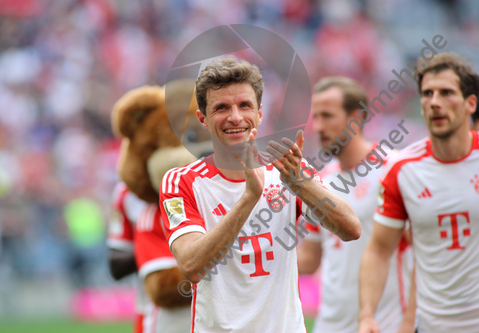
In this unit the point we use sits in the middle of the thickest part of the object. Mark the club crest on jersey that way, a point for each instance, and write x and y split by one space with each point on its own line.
270 193
475 181
175 209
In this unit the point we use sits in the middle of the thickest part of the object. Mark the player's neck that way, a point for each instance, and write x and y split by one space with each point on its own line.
230 174
352 153
453 148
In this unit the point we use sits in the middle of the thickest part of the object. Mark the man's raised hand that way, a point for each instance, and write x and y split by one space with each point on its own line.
287 157
254 173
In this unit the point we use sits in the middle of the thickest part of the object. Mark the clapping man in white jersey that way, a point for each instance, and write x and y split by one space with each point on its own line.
435 184
335 116
205 207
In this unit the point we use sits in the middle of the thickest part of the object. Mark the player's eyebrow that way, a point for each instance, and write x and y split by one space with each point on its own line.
247 101
219 104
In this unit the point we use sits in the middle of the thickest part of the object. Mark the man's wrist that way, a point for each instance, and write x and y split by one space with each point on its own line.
249 199
365 315
303 186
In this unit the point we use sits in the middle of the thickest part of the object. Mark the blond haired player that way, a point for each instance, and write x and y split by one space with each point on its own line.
435 184
335 106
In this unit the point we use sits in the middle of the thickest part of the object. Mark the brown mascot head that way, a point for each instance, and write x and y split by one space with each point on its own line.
149 146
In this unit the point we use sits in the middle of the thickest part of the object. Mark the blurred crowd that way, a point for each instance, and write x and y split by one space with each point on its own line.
64 63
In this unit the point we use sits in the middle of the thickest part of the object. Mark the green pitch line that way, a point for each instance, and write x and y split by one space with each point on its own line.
76 327
63 327
309 324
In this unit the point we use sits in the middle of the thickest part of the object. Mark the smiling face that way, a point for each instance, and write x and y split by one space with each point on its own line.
444 108
231 113
329 116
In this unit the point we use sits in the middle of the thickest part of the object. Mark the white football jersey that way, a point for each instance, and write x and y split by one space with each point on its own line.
441 199
256 289
341 260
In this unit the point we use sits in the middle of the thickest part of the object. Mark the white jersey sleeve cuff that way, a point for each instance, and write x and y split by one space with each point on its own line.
156 265
185 230
389 221
120 245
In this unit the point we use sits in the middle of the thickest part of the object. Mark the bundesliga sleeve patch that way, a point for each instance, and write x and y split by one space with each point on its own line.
175 209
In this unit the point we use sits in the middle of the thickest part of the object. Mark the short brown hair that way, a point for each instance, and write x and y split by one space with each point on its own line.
468 78
353 92
221 73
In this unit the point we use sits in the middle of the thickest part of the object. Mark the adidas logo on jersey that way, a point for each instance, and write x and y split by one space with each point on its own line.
219 210
425 194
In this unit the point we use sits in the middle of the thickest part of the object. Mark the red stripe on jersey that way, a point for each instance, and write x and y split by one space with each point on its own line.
393 205
313 228
215 171
184 171
194 310
411 151
402 295
222 209
429 193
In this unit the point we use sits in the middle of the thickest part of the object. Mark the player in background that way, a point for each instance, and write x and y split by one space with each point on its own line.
435 184
205 207
335 107
126 209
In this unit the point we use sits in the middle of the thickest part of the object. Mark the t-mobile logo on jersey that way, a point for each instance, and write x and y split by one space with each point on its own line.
258 255
455 228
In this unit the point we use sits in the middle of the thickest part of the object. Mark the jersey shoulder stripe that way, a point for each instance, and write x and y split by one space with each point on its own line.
171 180
411 153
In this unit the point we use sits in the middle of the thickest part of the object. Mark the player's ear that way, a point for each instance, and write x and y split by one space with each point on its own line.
260 114
471 104
355 115
201 118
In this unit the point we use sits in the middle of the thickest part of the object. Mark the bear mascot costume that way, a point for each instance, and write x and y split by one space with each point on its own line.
150 148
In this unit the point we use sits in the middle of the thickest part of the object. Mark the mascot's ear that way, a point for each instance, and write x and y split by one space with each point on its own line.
165 159
130 110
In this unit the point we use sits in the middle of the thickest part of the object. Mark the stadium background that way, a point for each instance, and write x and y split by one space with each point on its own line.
64 63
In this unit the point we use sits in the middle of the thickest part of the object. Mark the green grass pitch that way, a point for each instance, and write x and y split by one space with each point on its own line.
77 327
